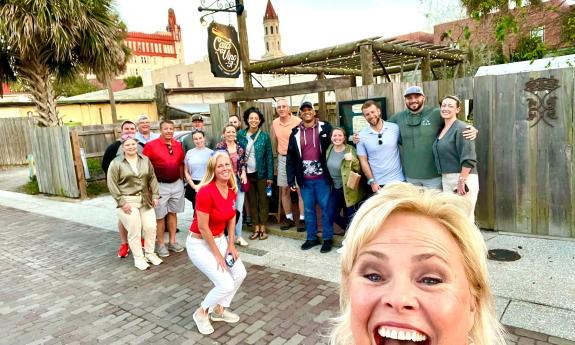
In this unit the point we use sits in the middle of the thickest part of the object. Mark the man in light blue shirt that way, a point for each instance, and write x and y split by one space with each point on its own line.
378 149
144 133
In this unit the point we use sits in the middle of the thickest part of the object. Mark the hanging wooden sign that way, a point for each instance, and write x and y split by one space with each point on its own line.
223 50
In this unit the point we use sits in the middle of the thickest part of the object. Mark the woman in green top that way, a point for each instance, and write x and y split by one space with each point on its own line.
133 185
341 159
260 168
455 156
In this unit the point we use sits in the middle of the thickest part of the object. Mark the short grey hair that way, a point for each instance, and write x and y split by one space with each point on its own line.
142 118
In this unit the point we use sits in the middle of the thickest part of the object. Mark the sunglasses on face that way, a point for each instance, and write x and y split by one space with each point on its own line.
379 141
170 150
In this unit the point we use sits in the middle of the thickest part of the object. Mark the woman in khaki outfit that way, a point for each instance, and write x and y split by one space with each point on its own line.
132 183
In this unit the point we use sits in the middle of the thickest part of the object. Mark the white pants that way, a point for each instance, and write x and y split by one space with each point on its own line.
138 221
226 283
449 182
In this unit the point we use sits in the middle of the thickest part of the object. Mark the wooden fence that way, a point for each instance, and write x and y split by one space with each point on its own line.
526 171
55 168
15 143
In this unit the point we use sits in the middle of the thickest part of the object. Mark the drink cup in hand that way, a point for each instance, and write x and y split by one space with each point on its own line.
348 156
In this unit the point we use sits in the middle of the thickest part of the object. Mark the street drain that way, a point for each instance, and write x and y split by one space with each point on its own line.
503 255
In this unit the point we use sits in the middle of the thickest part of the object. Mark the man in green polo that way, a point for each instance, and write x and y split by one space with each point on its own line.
419 126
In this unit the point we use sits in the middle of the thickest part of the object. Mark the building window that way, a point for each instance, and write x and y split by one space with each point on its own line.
538 32
272 30
265 27
178 80
267 47
277 30
190 79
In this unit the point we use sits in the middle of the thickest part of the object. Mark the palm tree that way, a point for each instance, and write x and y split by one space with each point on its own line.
42 41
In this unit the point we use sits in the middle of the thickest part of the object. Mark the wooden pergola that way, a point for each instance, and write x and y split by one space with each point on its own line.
366 58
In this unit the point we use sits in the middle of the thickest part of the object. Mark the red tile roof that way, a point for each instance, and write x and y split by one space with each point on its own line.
270 12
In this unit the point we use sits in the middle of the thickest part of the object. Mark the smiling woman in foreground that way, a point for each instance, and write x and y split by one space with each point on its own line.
414 272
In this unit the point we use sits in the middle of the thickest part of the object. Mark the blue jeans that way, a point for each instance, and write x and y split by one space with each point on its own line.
336 204
312 192
240 208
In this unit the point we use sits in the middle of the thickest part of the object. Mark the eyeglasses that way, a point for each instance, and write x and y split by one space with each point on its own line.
170 150
379 142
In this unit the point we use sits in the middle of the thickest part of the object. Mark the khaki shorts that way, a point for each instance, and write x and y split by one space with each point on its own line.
171 199
282 173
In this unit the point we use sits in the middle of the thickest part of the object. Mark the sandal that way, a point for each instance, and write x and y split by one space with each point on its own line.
255 234
263 234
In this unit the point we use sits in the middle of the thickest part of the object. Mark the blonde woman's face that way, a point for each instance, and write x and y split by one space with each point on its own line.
223 168
409 282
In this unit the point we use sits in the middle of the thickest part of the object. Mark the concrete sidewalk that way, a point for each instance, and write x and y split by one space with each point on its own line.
535 293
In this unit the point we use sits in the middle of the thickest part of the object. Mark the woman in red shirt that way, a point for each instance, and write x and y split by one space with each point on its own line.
208 248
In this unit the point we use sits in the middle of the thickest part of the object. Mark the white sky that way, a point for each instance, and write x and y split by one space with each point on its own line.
304 24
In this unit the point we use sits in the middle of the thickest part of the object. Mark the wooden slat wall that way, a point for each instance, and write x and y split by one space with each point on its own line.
15 144
526 174
54 162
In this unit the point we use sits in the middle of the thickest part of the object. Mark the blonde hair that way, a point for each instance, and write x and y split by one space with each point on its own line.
210 174
451 211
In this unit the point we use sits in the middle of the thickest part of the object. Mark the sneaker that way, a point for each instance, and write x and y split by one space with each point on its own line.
123 250
153 259
241 242
308 244
175 247
301 227
226 316
326 246
162 250
287 225
141 264
203 323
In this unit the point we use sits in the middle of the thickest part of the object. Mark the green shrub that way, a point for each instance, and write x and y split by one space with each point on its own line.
31 187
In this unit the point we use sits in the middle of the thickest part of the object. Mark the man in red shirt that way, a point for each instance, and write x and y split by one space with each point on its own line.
167 157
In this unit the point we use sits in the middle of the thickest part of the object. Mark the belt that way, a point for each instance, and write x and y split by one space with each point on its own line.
162 181
135 194
199 237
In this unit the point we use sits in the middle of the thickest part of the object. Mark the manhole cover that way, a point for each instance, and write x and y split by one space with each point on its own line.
503 255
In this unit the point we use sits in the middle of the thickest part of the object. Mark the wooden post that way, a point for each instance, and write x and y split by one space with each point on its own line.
244 47
366 53
321 100
78 166
426 69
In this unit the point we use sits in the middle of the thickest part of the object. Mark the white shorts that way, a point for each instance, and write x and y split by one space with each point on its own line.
282 172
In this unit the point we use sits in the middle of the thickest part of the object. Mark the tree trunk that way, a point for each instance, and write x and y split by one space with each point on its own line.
112 100
37 80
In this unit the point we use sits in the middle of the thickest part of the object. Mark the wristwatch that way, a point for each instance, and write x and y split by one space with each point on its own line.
370 181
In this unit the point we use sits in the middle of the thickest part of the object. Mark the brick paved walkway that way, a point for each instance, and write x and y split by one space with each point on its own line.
62 284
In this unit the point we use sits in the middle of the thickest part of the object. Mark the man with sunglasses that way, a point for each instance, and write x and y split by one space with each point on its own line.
378 149
167 157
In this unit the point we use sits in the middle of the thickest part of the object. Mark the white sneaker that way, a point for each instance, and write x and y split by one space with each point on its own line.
226 316
203 323
241 242
153 259
141 264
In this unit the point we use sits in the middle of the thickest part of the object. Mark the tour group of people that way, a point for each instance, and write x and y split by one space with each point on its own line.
149 175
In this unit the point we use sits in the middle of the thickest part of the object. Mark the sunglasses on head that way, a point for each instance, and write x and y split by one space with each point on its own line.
170 150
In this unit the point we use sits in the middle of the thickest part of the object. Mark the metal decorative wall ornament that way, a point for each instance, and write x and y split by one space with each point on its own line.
542 107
